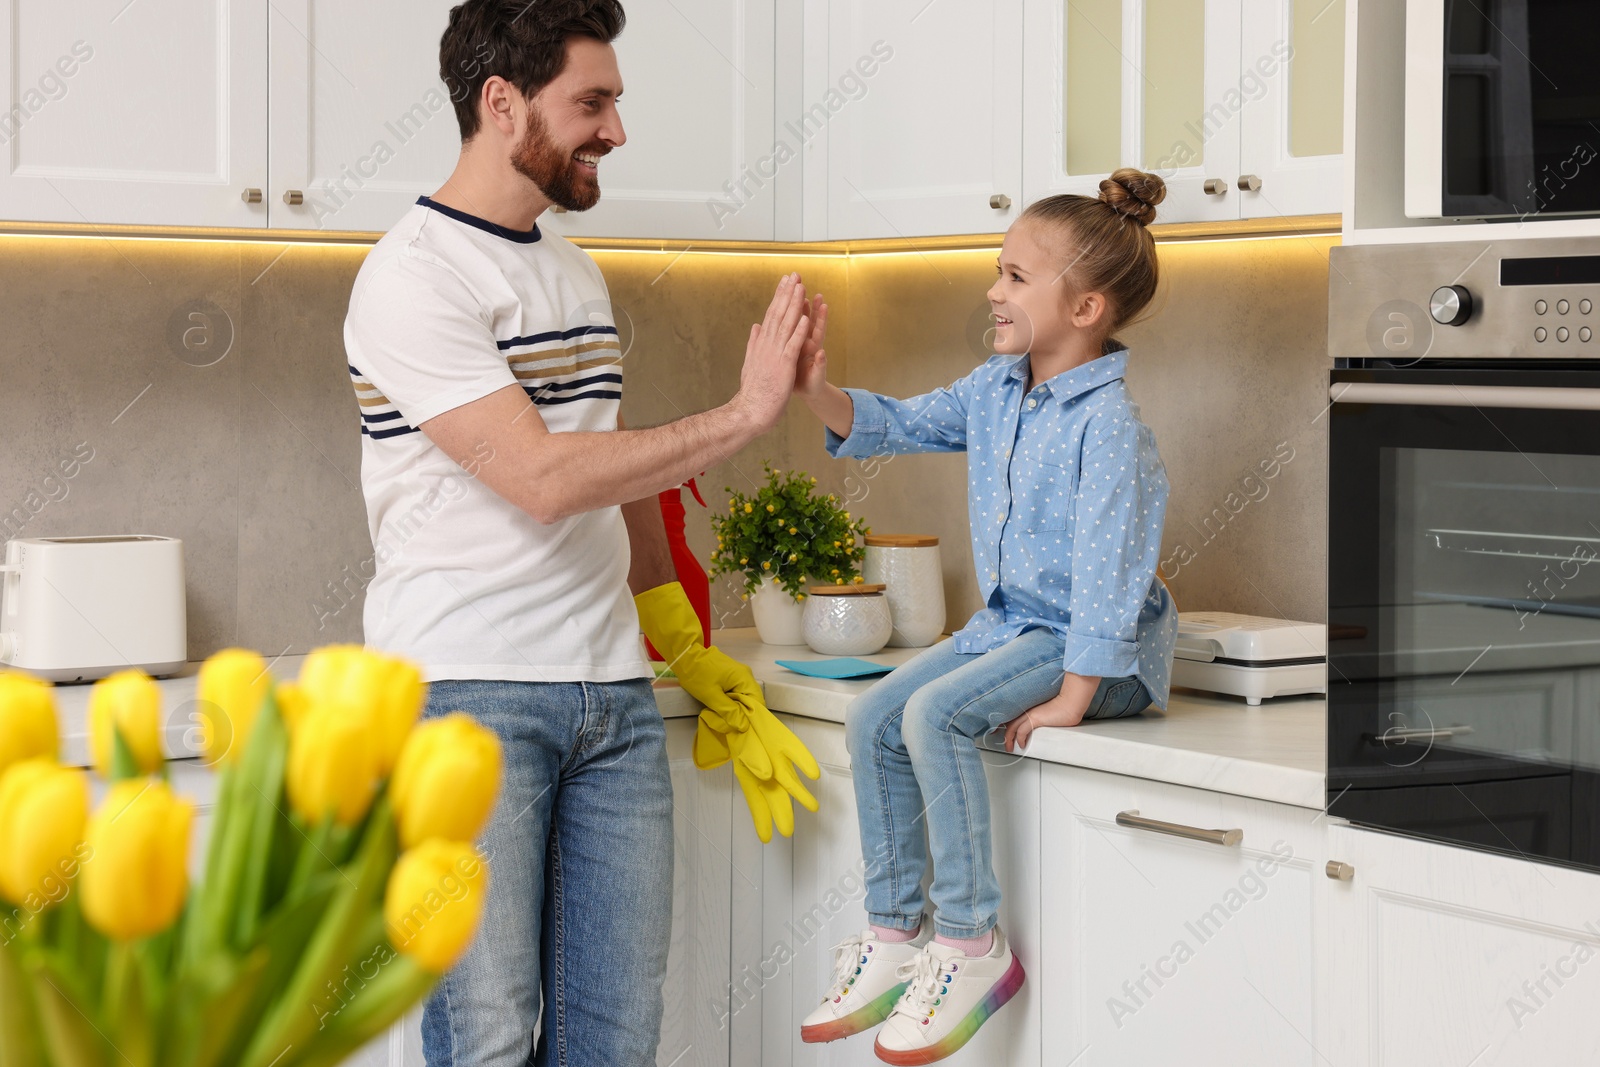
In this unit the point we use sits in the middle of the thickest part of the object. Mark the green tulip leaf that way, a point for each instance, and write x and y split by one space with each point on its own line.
20 1040
66 1013
288 1025
207 1005
378 1004
124 764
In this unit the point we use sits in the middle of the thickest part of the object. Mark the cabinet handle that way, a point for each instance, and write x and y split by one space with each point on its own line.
294 197
1134 820
1340 872
1000 202
251 196
1215 187
1250 183
557 209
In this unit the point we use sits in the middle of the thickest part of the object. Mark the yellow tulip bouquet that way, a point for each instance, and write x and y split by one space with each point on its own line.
340 881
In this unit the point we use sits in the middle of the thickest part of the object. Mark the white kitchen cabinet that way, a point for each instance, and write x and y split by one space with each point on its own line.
812 897
1158 949
702 157
144 112
921 107
1447 955
1292 137
361 124
1207 95
694 1029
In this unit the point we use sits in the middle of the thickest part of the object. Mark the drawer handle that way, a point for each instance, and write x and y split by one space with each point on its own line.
1401 735
1134 820
1339 871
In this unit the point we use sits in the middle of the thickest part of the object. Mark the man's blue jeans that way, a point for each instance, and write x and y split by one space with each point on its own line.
580 855
913 758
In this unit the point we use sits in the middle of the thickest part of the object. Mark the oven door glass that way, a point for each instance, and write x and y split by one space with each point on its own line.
1464 611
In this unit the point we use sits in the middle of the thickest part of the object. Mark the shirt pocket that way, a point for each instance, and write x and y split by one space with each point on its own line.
1043 495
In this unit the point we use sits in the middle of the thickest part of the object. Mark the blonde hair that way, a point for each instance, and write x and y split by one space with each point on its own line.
1112 251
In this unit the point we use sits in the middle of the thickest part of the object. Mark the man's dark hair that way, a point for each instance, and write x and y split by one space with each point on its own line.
522 41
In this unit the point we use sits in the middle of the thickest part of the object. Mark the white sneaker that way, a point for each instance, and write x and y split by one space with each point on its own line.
948 996
866 985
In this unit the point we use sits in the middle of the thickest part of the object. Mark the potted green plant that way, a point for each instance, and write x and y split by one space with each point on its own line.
778 539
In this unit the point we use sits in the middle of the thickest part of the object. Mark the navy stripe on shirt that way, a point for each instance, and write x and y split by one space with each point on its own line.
397 431
554 335
545 401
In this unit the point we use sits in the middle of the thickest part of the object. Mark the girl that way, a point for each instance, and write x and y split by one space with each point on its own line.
1066 498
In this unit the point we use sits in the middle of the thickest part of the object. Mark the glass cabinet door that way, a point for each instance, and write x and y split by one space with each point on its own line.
1151 84
1292 68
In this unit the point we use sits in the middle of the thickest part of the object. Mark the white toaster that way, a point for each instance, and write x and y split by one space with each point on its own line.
73 609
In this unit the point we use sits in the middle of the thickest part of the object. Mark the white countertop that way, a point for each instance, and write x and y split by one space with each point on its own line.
1274 752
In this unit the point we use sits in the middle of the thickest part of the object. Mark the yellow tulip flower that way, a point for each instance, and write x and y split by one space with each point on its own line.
130 702
136 874
232 685
27 719
292 704
43 809
446 781
434 902
333 765
357 677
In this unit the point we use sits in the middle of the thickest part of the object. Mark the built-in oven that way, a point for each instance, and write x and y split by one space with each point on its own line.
1464 545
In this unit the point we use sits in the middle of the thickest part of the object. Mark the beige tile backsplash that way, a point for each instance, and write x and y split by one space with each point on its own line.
209 380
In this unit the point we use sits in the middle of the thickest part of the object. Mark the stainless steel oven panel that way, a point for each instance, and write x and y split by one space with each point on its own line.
1379 299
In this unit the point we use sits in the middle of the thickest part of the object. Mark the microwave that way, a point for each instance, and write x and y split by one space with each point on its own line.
1502 114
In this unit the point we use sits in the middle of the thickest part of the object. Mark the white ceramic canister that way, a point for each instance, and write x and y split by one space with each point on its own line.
846 620
908 566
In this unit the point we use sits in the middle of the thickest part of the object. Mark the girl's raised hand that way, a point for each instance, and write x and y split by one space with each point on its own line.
811 370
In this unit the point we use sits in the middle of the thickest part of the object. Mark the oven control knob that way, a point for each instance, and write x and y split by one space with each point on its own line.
1451 305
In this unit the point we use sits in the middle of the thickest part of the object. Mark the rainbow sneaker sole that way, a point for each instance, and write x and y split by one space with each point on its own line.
857 1021
993 1001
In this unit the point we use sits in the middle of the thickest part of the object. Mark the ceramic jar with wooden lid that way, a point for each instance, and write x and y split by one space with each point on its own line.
846 620
908 566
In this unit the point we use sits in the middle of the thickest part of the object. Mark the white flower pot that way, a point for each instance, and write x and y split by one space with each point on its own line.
778 615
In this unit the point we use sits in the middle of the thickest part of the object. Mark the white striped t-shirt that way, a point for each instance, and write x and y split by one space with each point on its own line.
447 309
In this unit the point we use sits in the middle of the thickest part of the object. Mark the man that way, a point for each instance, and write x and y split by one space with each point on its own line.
512 515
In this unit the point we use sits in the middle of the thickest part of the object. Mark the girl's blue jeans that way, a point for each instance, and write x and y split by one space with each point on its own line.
919 778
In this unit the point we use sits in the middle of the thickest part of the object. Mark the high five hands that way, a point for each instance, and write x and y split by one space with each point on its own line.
784 354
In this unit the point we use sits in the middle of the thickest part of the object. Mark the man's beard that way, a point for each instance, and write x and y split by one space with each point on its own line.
552 168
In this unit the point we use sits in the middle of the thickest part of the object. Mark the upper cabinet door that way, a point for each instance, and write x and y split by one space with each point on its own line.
1152 84
361 122
1293 136
921 104
146 112
697 107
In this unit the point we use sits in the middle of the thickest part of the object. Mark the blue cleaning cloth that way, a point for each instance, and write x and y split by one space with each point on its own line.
843 667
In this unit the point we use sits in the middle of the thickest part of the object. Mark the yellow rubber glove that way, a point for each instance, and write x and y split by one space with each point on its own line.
786 752
736 724
723 686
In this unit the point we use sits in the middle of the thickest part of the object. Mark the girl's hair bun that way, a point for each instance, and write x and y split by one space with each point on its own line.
1134 194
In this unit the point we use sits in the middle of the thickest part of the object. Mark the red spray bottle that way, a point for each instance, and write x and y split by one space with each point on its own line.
690 574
